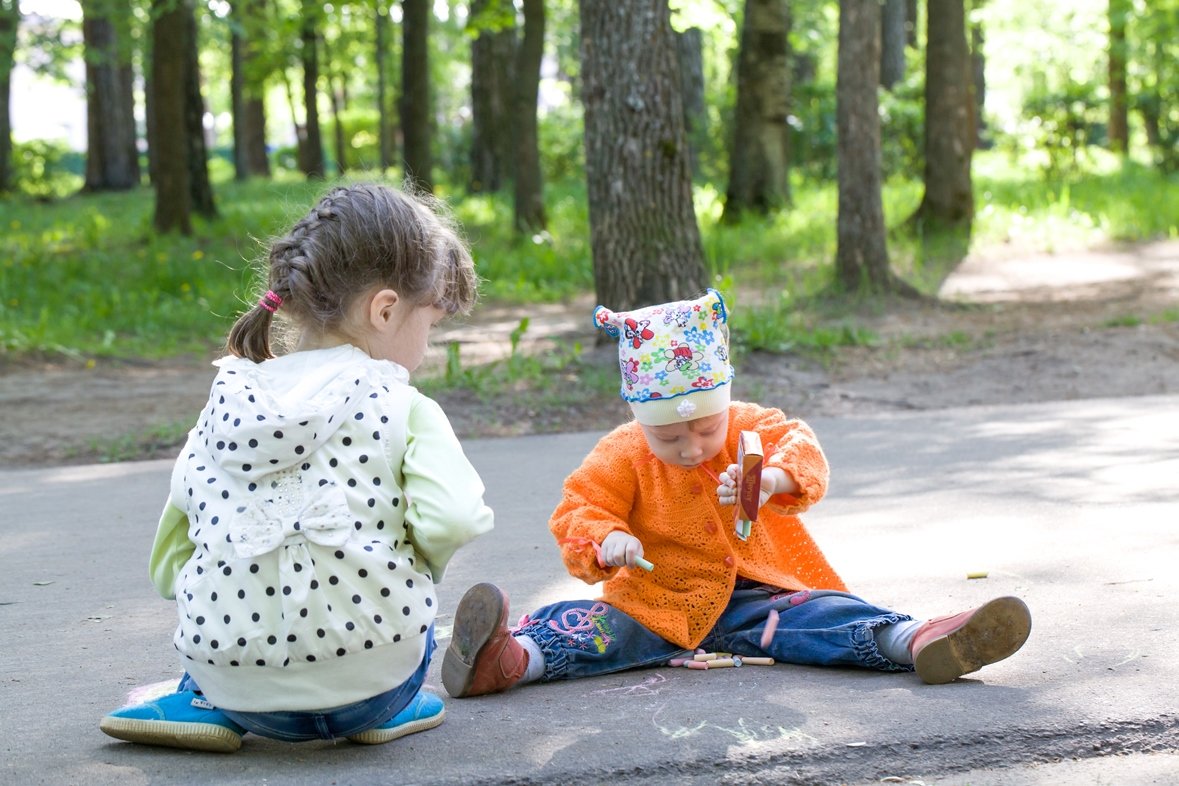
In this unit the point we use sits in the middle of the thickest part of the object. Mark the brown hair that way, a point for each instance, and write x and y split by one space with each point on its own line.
357 238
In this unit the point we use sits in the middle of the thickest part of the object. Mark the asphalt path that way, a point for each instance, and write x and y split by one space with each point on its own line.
1073 506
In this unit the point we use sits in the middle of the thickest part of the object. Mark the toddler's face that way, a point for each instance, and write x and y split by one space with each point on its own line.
690 443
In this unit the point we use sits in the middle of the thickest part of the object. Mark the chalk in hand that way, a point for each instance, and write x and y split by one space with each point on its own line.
642 563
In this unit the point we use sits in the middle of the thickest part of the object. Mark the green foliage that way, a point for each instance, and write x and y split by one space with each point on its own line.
45 170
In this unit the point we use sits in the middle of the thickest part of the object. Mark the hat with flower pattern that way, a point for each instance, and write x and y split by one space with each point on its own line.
674 358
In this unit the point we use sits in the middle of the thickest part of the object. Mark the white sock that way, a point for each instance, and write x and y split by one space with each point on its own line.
535 668
893 640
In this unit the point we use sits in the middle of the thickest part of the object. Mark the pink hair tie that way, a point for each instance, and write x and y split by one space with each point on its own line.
270 301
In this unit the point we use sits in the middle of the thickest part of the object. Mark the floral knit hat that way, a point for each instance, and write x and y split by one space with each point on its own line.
674 358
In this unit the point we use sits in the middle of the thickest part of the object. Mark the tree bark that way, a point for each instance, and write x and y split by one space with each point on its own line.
861 257
384 130
528 183
978 73
759 170
250 156
949 119
194 113
643 234
493 54
313 163
416 121
112 156
9 22
892 43
1119 133
171 175
690 50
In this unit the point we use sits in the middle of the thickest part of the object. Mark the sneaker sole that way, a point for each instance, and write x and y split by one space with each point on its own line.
187 736
381 736
480 613
996 631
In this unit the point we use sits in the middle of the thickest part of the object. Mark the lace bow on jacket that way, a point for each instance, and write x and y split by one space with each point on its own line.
324 520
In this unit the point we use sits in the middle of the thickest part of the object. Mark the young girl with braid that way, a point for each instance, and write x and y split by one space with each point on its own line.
649 515
319 496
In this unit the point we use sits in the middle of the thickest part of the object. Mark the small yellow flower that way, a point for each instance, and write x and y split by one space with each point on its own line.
198 255
91 363
185 287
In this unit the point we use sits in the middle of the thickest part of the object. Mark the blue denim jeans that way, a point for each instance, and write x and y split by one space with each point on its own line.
583 638
335 722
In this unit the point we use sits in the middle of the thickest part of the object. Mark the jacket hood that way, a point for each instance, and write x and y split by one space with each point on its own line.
265 417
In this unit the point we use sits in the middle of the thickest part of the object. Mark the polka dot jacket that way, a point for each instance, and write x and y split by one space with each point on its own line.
315 505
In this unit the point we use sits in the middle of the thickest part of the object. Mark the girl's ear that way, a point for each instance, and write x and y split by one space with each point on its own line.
381 308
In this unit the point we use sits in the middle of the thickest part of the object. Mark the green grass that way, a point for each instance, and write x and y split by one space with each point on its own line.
87 275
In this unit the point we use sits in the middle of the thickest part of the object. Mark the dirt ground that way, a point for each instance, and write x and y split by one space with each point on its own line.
1009 329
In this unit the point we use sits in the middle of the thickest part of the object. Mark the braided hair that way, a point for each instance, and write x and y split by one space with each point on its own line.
356 239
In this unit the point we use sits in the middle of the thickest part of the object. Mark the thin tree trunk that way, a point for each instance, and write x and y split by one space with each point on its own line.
312 159
194 106
416 120
338 103
493 54
892 43
250 156
9 23
1119 133
978 72
690 50
112 155
528 182
170 143
949 119
643 232
759 171
384 132
861 258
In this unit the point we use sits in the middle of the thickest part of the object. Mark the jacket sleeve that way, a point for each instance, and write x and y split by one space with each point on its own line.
170 551
791 445
444 492
597 499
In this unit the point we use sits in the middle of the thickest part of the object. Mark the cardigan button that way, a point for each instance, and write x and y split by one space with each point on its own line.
729 561
697 489
710 528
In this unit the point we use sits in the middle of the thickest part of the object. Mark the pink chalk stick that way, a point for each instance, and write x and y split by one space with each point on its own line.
696 664
676 662
771 625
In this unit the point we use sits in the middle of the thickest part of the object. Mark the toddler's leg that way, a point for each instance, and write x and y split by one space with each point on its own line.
179 720
945 648
483 657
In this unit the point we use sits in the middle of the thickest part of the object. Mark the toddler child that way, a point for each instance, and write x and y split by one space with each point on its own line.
319 496
658 490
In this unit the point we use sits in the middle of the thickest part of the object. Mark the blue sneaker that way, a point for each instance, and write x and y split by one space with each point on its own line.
179 720
425 711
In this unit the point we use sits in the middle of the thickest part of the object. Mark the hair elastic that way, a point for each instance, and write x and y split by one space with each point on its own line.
270 301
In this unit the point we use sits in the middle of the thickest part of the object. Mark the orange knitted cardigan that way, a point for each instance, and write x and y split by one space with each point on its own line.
685 531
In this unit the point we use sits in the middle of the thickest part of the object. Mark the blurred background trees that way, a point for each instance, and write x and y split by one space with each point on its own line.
733 97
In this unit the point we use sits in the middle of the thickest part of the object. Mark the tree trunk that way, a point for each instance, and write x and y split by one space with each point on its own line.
1119 133
384 129
170 147
416 122
528 182
861 258
194 113
250 156
978 73
311 152
9 22
690 50
493 54
759 171
338 100
643 234
911 23
112 157
949 119
892 43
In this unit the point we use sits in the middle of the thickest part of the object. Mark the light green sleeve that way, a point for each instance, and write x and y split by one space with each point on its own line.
444 492
171 550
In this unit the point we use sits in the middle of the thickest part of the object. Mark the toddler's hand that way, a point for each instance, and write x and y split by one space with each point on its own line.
619 549
772 480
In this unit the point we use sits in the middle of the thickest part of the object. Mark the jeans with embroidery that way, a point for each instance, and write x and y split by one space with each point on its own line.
583 638
343 721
